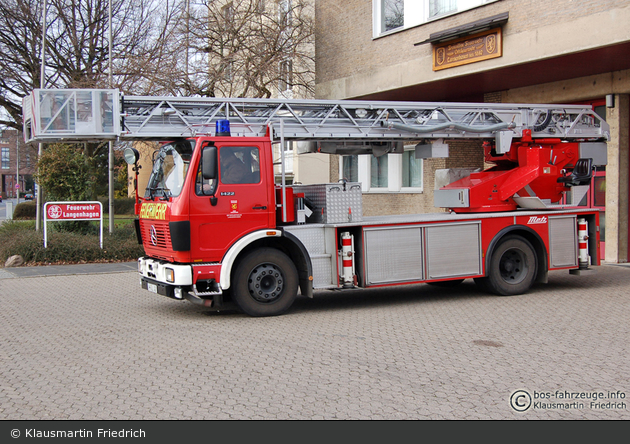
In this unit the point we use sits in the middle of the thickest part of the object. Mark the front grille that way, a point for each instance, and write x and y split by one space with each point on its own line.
155 234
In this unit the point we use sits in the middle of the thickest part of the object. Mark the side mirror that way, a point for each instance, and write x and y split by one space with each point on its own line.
209 162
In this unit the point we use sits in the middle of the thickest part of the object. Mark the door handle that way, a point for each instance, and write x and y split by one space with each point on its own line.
259 208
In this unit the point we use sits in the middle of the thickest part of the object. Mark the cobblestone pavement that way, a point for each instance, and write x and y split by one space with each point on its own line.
97 347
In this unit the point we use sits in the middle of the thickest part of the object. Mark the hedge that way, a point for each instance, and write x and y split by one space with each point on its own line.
65 247
25 210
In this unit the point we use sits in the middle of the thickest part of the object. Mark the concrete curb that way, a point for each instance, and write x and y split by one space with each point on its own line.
64 270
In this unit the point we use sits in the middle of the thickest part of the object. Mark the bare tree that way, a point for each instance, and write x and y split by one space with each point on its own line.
237 48
77 46
246 48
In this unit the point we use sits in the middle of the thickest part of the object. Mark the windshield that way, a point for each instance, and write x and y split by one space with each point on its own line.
169 169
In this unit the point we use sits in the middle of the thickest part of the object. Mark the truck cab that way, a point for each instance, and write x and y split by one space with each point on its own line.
207 199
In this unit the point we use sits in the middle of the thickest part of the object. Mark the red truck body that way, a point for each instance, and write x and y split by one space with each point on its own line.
196 243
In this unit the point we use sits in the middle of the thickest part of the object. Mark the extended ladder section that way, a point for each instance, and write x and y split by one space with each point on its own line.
98 114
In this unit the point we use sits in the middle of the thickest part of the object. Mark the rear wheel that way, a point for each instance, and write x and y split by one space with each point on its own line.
265 283
512 268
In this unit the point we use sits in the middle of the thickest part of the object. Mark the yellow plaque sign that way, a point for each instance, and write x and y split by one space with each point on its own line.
153 211
475 48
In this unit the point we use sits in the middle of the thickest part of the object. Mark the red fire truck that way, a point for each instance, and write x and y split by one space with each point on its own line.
216 226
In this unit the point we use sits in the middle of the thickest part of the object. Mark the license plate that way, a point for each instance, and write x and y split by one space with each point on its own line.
152 288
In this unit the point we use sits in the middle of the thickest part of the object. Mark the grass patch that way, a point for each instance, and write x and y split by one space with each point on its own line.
20 237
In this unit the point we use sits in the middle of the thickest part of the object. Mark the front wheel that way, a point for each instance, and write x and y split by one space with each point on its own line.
513 267
265 283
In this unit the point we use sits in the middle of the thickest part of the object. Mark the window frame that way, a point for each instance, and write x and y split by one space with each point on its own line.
411 150
285 76
5 158
227 11
249 160
394 174
285 13
415 13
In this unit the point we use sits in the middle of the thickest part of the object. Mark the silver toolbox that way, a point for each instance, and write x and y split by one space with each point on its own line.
333 203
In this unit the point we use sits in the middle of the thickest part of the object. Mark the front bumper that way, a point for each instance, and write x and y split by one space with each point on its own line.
176 292
165 272
164 278
176 281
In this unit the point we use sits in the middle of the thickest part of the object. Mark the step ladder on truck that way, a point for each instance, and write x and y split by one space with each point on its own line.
216 227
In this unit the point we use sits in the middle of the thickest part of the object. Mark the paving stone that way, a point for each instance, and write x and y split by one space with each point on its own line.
95 346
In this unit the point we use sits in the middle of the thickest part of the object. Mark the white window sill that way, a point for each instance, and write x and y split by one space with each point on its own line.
403 191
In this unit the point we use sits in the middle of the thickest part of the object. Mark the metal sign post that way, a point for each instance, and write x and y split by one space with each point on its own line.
64 211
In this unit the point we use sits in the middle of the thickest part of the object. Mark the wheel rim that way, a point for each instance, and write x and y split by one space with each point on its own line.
266 283
513 266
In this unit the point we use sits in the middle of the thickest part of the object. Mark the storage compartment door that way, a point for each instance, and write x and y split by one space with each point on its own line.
393 254
563 241
453 250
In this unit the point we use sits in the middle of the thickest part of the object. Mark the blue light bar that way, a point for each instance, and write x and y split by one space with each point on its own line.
223 128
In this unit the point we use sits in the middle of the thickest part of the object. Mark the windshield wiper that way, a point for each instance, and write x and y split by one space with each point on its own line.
151 190
166 193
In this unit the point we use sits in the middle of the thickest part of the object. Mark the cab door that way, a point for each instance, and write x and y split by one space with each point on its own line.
240 204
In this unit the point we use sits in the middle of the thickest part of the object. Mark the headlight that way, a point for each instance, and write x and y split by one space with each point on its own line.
170 275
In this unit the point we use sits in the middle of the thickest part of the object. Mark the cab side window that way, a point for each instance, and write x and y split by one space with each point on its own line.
239 165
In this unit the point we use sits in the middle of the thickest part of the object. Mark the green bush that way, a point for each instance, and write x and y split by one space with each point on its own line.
64 172
25 210
74 226
67 247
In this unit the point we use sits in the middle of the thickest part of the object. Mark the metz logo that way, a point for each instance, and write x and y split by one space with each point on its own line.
537 220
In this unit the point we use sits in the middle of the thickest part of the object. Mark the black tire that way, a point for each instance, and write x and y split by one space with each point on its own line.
482 284
265 283
513 267
447 284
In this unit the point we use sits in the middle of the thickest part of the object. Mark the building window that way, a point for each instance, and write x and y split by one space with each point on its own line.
286 75
228 12
350 168
288 162
390 173
441 7
394 15
228 71
284 13
378 172
411 170
5 159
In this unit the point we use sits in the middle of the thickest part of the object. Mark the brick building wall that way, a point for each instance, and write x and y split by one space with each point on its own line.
345 43
12 140
556 51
